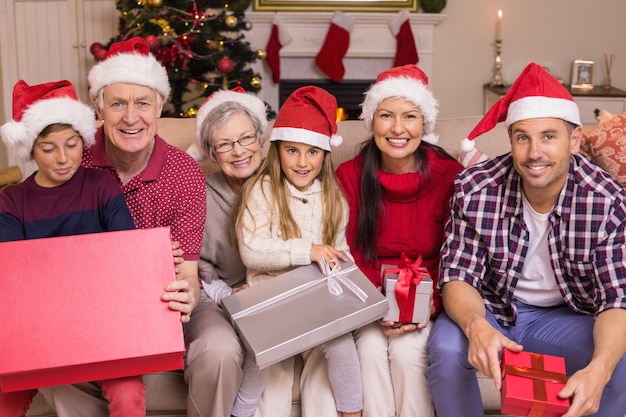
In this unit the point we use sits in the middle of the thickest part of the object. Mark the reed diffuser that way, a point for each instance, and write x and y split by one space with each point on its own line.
609 59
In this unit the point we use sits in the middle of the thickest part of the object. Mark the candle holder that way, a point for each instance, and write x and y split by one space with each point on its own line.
497 80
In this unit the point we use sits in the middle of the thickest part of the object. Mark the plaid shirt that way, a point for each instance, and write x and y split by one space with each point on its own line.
487 239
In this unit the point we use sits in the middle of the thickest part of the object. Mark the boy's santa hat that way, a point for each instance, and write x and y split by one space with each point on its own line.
39 106
131 62
253 105
535 94
309 115
408 82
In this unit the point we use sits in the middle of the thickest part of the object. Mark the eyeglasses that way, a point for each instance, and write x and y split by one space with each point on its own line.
230 145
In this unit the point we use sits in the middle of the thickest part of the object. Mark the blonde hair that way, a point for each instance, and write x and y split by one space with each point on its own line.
333 201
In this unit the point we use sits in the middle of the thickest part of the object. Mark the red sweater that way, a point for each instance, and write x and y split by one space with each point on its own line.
414 215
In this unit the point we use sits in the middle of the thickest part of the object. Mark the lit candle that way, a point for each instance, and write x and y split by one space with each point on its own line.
499 26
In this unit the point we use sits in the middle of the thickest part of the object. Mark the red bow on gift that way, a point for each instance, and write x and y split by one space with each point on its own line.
409 277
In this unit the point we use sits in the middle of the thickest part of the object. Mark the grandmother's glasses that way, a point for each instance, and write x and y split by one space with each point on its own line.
229 145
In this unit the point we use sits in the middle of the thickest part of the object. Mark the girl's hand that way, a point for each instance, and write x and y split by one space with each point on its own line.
239 288
328 253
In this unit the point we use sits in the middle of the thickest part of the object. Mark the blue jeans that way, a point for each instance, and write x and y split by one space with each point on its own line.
556 331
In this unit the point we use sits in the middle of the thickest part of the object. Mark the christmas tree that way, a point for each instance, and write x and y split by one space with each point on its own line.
200 43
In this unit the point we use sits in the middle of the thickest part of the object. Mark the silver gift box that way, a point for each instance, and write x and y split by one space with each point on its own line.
300 309
423 292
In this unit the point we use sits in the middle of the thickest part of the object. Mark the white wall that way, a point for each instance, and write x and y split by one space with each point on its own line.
550 32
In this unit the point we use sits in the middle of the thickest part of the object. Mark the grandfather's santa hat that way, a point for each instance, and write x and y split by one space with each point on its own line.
535 94
309 115
408 82
253 105
39 106
129 61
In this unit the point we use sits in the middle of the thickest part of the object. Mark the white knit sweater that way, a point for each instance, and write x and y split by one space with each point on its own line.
262 248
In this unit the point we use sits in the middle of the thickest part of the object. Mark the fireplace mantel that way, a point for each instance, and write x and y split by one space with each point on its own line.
372 45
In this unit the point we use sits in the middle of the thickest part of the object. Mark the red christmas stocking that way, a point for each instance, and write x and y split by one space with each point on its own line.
406 51
330 58
279 37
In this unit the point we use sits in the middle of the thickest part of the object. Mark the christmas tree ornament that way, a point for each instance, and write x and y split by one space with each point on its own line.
100 54
231 21
261 53
157 3
330 57
225 65
255 82
279 37
153 42
192 112
247 25
406 51
95 47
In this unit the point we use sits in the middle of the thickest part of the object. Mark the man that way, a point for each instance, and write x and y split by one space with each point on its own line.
534 260
163 186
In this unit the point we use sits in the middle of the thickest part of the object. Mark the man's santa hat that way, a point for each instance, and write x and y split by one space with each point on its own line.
39 106
309 115
253 105
131 62
408 82
535 94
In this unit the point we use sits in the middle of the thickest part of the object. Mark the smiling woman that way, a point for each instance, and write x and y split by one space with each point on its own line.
333 5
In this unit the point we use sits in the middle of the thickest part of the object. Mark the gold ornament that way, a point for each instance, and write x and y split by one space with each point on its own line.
192 112
231 21
255 82
165 26
157 3
261 53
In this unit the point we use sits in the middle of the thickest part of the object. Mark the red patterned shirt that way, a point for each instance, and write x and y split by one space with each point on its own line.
170 191
487 239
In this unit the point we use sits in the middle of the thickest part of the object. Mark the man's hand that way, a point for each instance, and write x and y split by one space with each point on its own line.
585 387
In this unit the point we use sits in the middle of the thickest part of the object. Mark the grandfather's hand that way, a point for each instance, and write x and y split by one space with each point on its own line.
180 296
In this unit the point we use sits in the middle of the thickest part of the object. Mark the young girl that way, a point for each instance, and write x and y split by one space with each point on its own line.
293 213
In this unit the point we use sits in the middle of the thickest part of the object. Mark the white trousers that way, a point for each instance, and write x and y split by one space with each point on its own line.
393 369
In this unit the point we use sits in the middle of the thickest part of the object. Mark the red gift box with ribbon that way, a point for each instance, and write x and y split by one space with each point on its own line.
531 383
408 288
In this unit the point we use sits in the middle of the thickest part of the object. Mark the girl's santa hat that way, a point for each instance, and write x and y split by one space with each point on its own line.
131 62
535 94
253 105
309 115
39 106
408 82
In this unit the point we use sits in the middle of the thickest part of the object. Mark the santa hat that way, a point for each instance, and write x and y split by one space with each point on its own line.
535 94
309 115
408 82
131 62
39 106
251 103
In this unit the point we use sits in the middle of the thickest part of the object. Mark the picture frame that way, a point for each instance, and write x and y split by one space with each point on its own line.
333 5
582 74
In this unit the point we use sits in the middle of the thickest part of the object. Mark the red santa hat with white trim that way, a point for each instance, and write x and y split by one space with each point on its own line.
534 94
129 61
39 106
309 115
408 82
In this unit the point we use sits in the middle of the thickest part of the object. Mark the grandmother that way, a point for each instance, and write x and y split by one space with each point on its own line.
398 189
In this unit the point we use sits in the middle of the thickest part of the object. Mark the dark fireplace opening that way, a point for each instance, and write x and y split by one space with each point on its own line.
349 93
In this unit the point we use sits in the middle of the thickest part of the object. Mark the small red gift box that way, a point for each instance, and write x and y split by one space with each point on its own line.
531 383
408 288
86 308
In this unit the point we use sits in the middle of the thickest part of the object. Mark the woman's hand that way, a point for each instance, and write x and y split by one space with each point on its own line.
327 253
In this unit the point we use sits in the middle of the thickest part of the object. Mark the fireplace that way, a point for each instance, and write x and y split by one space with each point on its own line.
349 93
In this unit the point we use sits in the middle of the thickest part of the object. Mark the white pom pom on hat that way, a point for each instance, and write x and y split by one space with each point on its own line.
309 115
408 82
534 94
38 106
129 61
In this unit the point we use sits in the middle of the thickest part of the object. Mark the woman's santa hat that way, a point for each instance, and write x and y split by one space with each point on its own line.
535 94
131 62
253 105
39 106
408 82
309 115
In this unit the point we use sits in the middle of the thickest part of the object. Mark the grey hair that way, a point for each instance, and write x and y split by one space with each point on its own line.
218 118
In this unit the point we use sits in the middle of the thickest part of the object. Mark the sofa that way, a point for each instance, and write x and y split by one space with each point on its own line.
166 391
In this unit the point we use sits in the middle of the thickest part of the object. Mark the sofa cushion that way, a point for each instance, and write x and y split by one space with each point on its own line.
606 144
